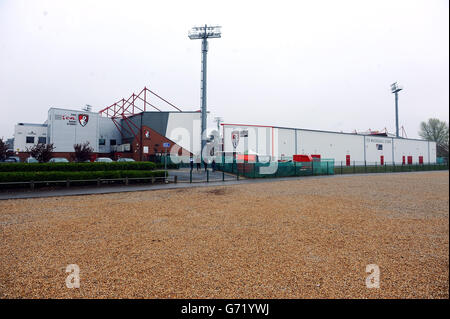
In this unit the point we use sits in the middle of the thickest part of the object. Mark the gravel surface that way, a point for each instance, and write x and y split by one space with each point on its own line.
290 239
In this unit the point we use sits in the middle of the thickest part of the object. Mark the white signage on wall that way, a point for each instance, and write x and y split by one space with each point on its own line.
70 119
379 140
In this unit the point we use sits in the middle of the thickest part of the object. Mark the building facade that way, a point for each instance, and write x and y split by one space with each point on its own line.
282 143
138 136
26 135
143 135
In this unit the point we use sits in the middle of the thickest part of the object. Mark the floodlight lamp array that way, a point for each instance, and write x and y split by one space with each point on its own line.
395 88
205 32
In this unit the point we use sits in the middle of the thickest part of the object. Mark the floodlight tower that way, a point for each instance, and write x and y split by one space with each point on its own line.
203 33
395 88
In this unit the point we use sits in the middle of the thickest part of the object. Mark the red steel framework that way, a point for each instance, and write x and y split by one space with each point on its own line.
135 104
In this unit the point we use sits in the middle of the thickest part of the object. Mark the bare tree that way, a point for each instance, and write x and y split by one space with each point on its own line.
41 152
436 131
83 152
3 150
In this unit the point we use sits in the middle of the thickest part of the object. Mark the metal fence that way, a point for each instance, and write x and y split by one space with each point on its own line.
236 170
358 167
278 169
85 182
228 168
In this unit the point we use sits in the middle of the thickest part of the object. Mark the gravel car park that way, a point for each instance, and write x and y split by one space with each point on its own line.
310 238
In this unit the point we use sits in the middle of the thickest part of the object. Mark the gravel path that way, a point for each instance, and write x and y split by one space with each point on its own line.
307 238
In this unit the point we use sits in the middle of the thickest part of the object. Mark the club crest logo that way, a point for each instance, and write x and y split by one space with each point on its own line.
235 138
147 134
83 119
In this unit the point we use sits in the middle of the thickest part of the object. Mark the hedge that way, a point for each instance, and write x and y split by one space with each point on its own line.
6 177
169 165
76 167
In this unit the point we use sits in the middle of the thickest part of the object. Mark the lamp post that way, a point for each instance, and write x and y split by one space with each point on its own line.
203 33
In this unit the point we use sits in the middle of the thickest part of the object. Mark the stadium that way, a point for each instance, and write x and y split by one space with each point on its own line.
136 128
262 199
128 130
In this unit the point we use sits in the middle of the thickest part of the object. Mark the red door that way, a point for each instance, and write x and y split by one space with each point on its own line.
420 159
409 160
382 159
403 160
347 160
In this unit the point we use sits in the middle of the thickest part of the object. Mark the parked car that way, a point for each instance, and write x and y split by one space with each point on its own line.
124 159
11 159
104 160
58 160
31 160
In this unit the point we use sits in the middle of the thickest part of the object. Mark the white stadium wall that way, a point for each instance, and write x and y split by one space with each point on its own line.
109 132
252 139
66 129
377 146
285 142
32 131
331 145
432 148
184 129
414 148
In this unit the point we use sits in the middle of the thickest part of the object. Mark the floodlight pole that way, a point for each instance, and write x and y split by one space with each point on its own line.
203 93
396 114
395 89
204 33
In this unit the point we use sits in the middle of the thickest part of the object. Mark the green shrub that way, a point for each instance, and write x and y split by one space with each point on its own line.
76 167
6 177
169 166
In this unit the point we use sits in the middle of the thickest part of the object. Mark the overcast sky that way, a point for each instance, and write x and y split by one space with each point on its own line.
324 65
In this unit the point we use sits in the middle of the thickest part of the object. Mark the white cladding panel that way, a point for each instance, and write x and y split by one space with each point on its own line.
432 146
65 129
69 127
331 145
258 139
32 130
286 142
109 132
376 147
184 129
414 148
249 139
